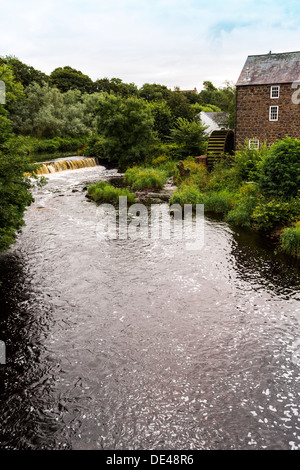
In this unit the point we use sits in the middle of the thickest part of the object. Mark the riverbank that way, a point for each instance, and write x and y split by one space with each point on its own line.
239 189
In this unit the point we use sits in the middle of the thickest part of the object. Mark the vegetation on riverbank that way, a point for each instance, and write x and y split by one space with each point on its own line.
145 178
104 192
257 189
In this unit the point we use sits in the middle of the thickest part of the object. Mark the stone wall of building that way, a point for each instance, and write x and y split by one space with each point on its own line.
252 114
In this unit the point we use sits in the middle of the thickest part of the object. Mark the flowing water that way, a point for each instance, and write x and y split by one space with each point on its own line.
142 344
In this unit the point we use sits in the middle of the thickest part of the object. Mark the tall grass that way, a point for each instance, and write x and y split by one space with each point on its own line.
145 178
218 202
106 193
290 240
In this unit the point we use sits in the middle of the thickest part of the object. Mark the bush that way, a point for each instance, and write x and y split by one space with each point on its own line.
247 161
222 176
104 192
218 201
187 194
198 174
290 240
279 174
145 178
191 135
246 200
273 213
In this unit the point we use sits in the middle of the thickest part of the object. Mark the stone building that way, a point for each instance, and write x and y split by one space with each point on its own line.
268 99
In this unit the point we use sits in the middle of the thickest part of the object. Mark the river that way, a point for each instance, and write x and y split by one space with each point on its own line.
143 344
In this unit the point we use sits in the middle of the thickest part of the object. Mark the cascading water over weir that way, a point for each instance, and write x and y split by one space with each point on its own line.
73 163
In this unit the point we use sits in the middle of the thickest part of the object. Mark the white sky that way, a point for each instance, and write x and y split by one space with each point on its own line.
171 42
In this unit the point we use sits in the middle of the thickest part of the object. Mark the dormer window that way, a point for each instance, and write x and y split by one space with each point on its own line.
275 91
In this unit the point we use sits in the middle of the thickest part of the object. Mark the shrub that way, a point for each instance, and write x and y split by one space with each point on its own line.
290 240
187 194
271 213
247 161
104 192
191 135
279 174
198 174
246 200
222 176
145 178
218 201
159 160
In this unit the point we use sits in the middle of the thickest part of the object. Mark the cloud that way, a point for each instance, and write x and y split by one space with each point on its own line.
164 41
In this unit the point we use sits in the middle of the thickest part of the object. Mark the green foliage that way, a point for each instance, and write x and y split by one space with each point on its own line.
15 192
14 90
145 178
290 240
197 175
244 205
180 106
280 170
218 201
25 74
163 119
223 176
45 112
191 136
270 214
104 192
116 86
187 194
155 92
247 162
66 78
126 125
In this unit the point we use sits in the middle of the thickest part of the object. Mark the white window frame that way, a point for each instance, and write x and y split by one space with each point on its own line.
276 91
254 143
271 115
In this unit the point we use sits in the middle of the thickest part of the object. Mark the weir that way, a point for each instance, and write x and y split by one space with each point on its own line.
70 164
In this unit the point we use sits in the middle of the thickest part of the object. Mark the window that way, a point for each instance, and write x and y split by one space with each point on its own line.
254 144
273 114
275 91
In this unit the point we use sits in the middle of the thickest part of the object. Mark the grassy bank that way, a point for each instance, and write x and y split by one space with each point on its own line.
103 192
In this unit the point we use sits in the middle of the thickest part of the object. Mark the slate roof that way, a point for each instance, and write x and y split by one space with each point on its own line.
270 69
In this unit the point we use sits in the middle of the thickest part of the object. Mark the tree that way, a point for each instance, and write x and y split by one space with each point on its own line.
115 85
191 136
14 90
180 106
67 78
15 192
25 74
46 112
126 125
154 92
163 119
